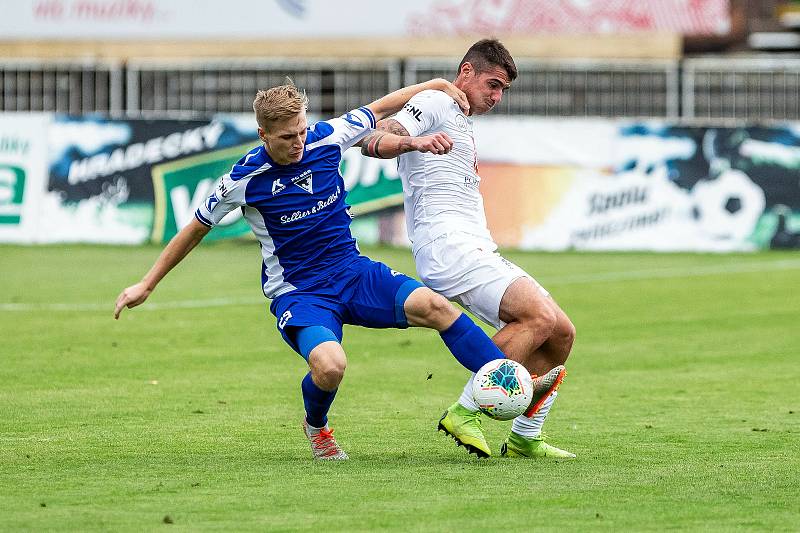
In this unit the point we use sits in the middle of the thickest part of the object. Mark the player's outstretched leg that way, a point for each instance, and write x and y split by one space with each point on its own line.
468 343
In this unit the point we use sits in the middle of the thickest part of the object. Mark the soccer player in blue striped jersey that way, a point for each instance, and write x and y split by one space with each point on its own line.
292 195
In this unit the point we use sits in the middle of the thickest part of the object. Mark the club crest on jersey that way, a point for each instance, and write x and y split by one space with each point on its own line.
461 122
304 181
277 186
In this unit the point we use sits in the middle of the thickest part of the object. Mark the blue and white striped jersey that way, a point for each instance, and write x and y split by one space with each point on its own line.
297 211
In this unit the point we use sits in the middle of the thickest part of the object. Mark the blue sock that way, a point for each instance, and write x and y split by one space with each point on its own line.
469 344
317 402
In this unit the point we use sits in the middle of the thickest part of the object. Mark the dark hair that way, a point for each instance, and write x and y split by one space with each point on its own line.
488 53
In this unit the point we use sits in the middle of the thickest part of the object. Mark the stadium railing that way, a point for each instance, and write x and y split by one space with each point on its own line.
754 88
578 88
71 86
174 88
703 88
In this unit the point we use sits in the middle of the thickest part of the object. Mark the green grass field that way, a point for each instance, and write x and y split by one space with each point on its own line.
682 403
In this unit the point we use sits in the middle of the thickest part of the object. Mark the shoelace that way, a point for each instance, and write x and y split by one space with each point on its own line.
325 441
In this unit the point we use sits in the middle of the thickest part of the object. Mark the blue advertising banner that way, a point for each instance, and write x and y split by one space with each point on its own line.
103 182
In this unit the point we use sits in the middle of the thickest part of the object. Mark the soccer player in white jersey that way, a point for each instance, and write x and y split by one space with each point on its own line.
292 195
456 256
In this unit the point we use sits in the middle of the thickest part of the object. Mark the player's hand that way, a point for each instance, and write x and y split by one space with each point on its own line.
131 297
436 143
456 94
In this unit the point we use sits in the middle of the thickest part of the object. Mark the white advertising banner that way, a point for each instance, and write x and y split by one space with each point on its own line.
299 19
547 184
23 175
610 185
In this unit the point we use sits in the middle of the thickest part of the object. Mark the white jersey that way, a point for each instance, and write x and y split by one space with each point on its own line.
441 192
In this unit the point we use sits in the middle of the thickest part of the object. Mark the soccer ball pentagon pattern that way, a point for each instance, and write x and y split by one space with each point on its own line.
503 389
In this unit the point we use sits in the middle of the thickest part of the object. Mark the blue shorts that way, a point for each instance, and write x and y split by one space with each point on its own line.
364 293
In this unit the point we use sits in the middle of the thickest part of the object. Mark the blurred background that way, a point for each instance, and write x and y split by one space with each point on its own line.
658 125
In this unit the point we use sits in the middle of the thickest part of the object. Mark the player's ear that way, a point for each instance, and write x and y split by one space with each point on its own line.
262 134
466 70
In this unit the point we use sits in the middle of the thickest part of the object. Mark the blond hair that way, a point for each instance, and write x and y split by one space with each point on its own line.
278 103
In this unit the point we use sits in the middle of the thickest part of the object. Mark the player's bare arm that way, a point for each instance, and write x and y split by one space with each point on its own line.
392 139
394 101
392 125
180 245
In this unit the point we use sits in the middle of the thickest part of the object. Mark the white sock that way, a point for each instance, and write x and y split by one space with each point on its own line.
466 399
532 427
314 430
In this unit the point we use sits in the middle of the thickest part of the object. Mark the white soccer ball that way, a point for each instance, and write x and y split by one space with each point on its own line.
729 206
503 389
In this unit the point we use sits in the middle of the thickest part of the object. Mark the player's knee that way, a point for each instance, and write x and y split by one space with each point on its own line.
327 363
431 310
541 318
440 307
328 374
565 335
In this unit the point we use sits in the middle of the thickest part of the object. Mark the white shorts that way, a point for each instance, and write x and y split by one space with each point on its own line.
468 270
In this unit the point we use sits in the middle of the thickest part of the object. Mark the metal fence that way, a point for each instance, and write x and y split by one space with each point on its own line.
74 87
741 88
762 88
577 88
206 87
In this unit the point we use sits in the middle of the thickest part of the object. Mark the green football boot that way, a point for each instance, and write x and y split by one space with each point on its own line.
535 447
465 428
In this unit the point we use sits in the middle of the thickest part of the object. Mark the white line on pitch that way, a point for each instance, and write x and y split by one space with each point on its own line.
660 273
678 272
149 306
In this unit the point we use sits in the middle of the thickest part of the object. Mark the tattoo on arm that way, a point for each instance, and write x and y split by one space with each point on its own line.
405 145
393 126
370 143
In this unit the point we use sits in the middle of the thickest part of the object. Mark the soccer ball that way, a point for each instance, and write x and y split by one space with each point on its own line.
729 206
503 389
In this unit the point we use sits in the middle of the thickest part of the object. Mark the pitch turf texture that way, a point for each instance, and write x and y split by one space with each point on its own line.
681 402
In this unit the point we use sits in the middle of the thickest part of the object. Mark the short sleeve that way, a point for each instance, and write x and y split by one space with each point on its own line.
228 195
424 112
349 128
